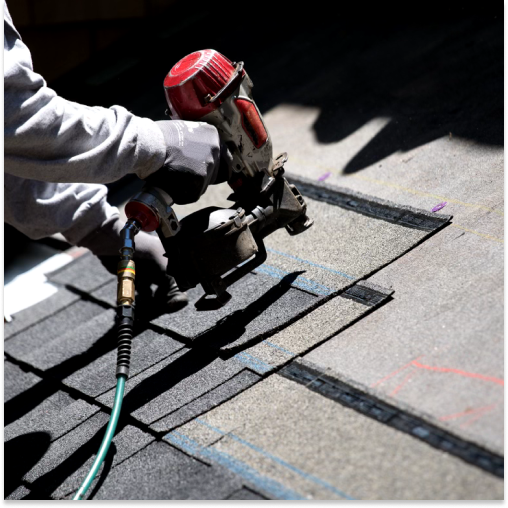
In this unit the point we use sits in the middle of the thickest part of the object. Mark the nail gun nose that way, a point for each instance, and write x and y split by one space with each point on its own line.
299 225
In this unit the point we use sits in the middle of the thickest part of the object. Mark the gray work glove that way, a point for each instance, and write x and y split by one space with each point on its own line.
105 243
194 160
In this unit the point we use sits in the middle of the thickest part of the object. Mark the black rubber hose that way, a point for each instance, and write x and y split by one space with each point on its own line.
125 334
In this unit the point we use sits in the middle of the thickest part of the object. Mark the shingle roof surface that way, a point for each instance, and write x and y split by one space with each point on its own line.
184 364
221 405
345 455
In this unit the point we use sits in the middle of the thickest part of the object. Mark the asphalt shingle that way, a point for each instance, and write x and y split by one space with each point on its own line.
126 443
315 327
50 349
364 400
66 461
259 304
56 415
17 380
97 377
438 346
86 273
107 293
62 336
32 315
298 444
342 246
209 400
174 382
18 494
162 472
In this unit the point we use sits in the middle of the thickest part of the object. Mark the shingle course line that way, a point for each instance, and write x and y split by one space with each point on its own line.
394 417
367 205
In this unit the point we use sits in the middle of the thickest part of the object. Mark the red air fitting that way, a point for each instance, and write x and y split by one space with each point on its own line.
147 217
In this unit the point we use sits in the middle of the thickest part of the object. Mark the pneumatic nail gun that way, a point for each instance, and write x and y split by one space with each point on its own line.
215 247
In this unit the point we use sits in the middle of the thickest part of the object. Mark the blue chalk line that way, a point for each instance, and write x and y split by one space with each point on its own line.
253 362
283 463
311 263
300 281
264 483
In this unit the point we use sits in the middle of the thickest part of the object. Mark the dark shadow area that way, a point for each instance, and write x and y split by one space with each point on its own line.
20 455
24 402
430 70
27 400
149 306
232 327
204 350
48 482
227 330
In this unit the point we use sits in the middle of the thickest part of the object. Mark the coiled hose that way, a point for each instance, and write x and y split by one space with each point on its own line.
125 314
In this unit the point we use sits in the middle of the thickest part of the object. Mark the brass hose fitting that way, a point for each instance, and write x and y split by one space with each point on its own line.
126 272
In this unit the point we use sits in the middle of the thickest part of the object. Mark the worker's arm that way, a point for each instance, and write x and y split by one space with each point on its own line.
51 139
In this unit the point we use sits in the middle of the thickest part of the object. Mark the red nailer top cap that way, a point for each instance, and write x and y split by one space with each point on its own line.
192 79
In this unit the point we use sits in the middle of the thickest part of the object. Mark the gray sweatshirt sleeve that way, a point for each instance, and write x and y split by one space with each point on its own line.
50 139
40 209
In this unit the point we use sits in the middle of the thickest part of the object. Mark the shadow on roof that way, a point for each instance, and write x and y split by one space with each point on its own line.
432 71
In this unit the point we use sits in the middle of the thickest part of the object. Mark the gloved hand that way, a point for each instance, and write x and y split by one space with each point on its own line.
105 243
194 160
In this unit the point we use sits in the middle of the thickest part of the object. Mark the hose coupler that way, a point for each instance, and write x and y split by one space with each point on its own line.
126 271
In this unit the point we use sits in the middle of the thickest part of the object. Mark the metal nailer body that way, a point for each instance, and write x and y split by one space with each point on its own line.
208 246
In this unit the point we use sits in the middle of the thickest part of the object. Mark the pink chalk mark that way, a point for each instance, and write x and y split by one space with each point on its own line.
474 375
395 372
468 412
322 178
418 365
404 382
475 418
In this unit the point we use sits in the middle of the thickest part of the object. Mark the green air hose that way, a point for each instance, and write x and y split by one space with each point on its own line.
125 313
108 437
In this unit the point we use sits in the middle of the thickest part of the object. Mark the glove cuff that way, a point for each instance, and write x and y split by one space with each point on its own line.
151 147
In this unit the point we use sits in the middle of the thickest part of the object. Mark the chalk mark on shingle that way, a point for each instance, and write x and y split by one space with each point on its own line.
300 282
393 416
285 254
259 481
273 458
